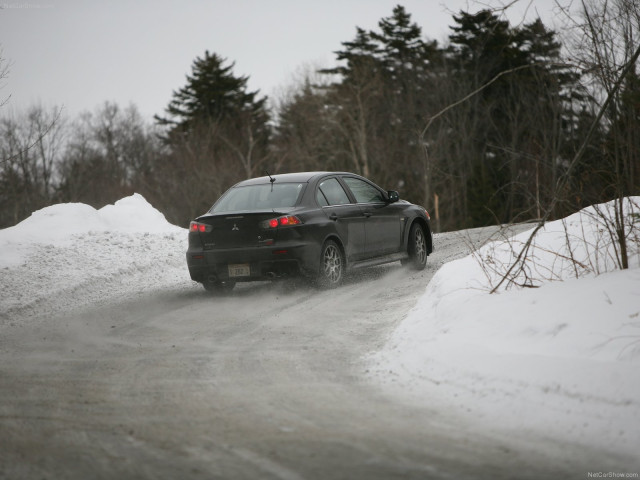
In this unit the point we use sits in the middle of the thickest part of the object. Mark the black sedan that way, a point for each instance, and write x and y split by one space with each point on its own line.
315 224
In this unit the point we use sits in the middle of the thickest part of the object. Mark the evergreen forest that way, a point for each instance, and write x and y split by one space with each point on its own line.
498 124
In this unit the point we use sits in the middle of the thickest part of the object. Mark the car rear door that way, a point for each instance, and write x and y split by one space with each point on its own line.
383 220
345 215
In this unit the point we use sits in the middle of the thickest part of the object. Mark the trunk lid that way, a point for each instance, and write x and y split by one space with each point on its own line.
238 230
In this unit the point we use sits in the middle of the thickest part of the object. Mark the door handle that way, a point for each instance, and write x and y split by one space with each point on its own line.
367 214
333 217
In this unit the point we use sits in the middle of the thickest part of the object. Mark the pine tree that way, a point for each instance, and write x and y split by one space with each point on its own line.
525 113
381 100
361 52
212 93
401 47
217 133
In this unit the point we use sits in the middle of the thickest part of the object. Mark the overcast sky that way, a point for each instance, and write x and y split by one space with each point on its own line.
79 54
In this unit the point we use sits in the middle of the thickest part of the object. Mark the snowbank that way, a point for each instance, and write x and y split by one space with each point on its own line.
562 360
71 255
574 247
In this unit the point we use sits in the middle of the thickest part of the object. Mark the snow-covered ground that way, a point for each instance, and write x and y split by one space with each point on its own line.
71 255
562 359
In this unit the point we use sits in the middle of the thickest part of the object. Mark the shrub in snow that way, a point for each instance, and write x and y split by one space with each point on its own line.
585 243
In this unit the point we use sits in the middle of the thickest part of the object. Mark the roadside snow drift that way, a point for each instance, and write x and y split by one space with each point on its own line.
562 360
72 255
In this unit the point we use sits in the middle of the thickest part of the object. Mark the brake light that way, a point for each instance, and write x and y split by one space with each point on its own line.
284 221
427 214
290 220
199 227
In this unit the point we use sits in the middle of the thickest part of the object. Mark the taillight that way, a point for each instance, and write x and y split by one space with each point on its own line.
284 221
199 227
427 214
290 220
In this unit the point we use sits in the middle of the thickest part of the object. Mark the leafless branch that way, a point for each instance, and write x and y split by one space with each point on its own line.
564 179
38 140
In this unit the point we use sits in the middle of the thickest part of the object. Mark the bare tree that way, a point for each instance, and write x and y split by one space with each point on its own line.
607 45
621 230
304 136
109 154
4 73
612 32
31 146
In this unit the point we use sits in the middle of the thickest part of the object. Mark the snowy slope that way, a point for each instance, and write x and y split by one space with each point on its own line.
72 255
562 360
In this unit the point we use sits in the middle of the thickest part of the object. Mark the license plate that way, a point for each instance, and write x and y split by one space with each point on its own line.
239 270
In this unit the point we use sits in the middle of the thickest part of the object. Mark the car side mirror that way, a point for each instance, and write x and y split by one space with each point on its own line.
393 196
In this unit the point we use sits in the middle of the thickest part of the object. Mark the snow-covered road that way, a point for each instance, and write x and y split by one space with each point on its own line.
113 364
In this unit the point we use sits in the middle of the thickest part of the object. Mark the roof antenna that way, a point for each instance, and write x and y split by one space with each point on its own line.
271 179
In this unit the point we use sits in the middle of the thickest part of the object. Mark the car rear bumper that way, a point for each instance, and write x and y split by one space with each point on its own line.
251 264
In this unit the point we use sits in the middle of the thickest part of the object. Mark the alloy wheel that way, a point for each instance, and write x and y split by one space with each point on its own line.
420 246
332 264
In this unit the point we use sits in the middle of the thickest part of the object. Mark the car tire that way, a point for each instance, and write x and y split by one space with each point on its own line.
417 247
332 265
218 286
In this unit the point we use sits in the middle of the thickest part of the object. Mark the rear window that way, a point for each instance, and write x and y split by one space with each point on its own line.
259 197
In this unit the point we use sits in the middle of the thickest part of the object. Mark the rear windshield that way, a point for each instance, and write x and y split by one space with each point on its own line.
258 197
